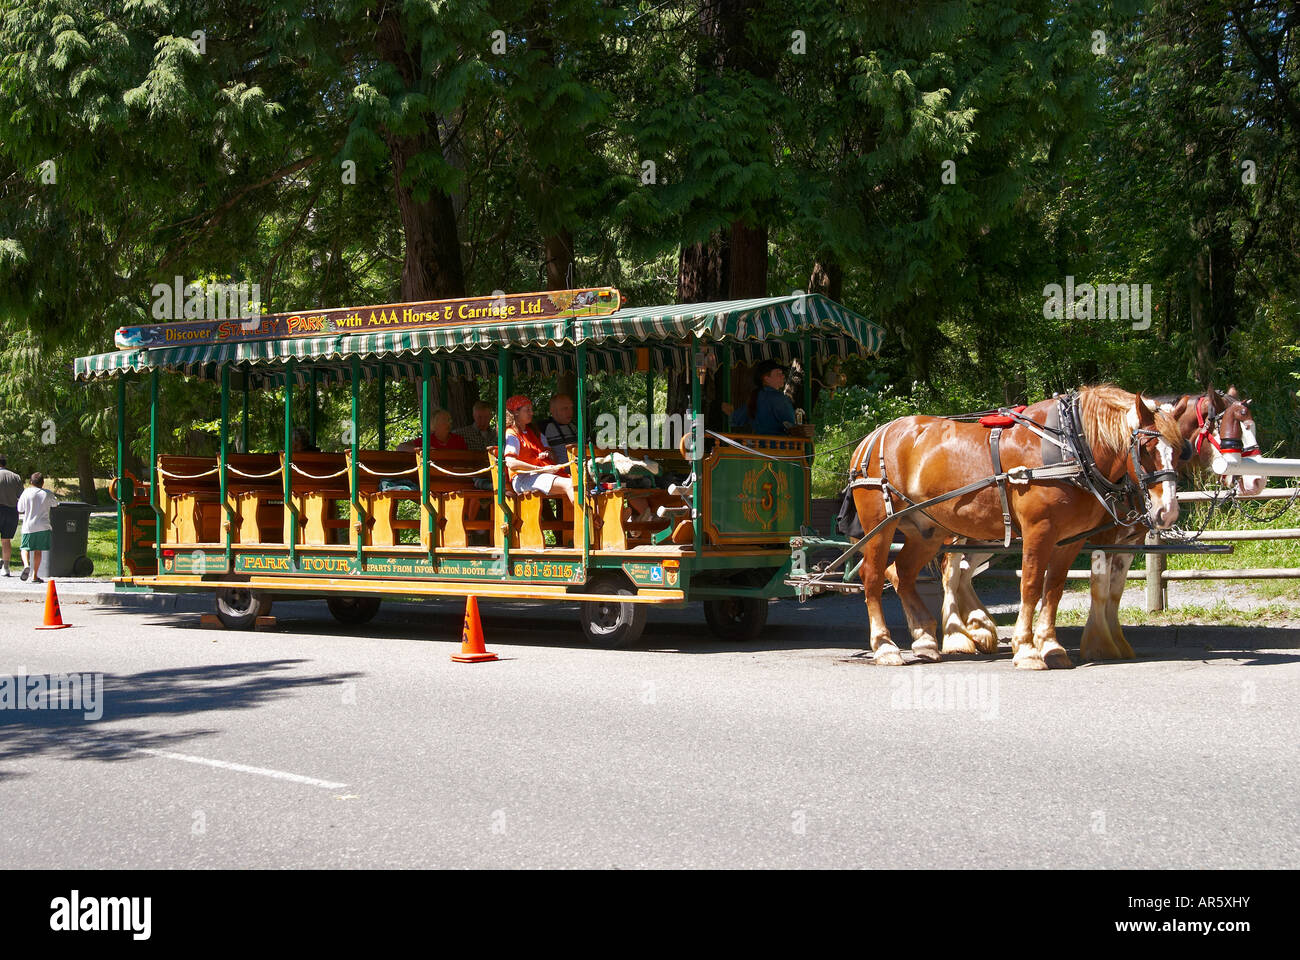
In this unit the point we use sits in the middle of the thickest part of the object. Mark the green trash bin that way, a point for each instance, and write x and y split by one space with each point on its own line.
70 532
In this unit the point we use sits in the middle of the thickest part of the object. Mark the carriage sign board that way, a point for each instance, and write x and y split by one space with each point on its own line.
509 308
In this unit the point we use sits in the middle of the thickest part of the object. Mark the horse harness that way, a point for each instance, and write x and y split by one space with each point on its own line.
1066 456
1207 426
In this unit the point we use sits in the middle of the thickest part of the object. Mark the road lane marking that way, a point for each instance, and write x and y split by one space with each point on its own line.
243 768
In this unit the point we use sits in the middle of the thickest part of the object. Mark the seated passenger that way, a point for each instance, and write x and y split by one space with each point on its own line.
769 410
302 442
527 459
559 430
440 436
480 434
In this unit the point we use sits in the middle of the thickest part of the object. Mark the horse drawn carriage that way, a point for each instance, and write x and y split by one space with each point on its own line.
355 525
729 525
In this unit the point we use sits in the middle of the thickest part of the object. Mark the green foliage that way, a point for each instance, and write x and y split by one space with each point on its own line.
947 158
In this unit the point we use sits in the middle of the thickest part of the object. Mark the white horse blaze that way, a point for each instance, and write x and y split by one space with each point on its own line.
1167 496
1251 486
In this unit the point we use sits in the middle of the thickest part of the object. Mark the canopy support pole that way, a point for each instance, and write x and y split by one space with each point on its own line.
431 531
383 407
153 468
121 471
311 410
724 364
359 522
697 462
807 378
243 427
227 514
288 464
503 388
580 481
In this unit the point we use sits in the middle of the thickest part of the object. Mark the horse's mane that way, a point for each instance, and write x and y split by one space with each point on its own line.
1105 419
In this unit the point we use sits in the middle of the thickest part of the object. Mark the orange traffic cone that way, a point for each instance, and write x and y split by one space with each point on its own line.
53 618
471 637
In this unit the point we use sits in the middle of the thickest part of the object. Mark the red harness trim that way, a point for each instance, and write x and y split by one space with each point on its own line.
1205 431
1000 419
1202 428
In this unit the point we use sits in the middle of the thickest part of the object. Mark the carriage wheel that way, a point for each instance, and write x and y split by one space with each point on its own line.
736 618
239 607
353 611
608 623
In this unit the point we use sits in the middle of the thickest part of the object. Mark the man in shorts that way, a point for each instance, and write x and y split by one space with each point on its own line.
34 507
11 488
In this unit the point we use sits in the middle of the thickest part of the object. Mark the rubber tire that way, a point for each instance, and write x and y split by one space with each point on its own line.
239 607
738 619
83 567
608 624
353 611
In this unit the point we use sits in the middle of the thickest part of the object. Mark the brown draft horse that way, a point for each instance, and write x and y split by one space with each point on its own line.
928 457
967 625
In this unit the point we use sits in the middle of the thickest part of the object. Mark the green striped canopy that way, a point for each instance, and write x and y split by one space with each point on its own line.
754 329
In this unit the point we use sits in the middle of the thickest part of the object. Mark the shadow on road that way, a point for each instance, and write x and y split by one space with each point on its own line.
181 691
837 625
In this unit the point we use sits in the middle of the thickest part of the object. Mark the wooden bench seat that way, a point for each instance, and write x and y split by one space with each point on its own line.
529 523
614 526
459 506
318 481
255 491
382 525
464 511
189 492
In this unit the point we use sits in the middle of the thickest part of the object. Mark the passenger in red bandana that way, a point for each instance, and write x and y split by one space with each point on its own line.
528 459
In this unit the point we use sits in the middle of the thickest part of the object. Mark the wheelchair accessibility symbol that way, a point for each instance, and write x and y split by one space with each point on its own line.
657 574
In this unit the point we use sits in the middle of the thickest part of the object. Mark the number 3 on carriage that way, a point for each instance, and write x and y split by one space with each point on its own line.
705 513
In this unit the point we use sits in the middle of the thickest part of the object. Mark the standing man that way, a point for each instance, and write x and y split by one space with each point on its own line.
11 488
34 507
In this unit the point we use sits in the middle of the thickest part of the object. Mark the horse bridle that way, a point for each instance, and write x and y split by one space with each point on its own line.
1122 494
1207 428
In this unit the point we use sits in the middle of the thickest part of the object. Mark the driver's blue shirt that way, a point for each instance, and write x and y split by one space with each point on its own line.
772 412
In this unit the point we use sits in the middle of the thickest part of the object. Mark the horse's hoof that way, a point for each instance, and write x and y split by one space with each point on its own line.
1057 658
926 650
888 657
986 641
1028 659
957 643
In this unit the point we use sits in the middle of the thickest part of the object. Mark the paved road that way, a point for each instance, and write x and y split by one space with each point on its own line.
313 746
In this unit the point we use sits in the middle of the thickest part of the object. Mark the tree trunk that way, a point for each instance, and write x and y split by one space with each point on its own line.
559 260
827 277
747 276
86 475
432 268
